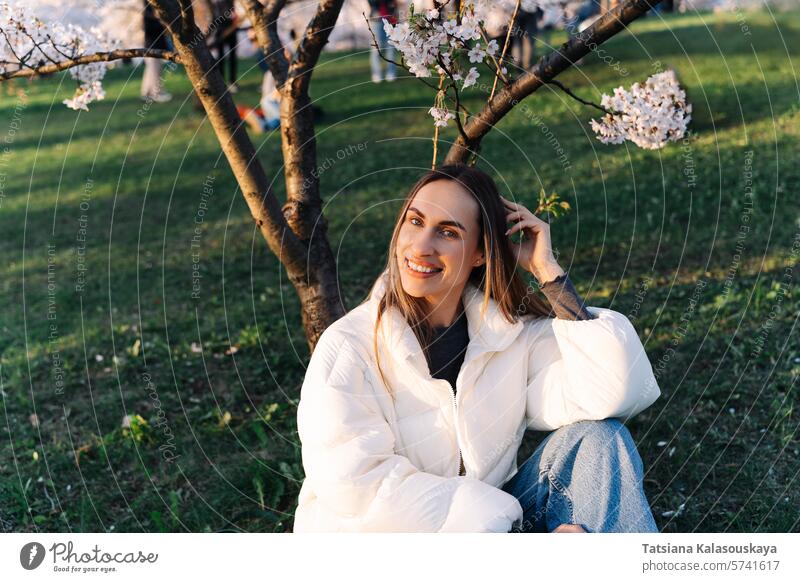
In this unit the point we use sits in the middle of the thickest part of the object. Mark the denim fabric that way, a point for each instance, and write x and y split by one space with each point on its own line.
587 473
375 61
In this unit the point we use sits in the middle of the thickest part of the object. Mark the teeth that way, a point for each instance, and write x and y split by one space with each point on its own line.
419 268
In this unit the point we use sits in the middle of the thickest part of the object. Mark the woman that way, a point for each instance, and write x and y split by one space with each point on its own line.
397 437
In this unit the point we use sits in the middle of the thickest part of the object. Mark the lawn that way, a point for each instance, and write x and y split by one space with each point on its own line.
135 287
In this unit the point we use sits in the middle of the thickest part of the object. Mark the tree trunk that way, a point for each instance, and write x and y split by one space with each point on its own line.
297 232
309 263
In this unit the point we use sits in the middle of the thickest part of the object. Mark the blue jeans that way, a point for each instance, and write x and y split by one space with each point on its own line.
587 473
375 61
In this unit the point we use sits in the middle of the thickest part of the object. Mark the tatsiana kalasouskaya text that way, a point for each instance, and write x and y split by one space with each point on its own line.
709 549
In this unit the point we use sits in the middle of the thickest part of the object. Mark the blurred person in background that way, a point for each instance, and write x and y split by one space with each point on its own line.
157 38
227 26
378 10
524 32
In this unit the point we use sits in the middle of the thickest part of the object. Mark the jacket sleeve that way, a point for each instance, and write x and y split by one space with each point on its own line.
586 370
348 451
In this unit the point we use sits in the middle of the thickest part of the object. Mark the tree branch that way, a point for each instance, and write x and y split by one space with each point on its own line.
236 145
294 232
187 16
547 68
265 24
92 58
314 39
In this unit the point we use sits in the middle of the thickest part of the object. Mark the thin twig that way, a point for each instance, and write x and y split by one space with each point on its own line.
436 126
457 98
388 60
574 96
53 44
497 67
11 48
38 46
505 46
28 54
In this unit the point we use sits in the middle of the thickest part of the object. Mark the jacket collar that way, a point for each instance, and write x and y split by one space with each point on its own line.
490 332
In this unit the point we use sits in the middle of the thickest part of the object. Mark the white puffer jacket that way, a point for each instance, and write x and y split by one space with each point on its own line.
377 464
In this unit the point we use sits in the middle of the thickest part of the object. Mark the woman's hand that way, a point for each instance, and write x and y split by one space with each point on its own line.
534 253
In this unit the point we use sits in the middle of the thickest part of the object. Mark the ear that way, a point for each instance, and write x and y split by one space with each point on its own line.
478 262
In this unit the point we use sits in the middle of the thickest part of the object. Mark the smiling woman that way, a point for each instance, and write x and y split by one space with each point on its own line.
414 403
436 249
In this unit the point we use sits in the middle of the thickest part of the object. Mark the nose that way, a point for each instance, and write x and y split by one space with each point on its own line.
423 243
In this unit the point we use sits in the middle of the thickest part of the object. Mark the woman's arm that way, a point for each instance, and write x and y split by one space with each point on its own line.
586 370
348 451
565 300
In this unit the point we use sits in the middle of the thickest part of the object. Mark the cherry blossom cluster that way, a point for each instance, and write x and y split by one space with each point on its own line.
649 115
441 116
27 42
434 43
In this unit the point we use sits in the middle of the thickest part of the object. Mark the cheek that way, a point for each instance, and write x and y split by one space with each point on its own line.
453 256
461 257
401 242
405 237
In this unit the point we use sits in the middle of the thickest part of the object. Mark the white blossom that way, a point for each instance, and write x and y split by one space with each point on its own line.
471 77
396 33
85 94
433 43
30 42
446 58
441 116
469 29
476 54
649 115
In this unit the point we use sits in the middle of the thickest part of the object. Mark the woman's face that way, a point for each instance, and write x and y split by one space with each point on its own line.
437 246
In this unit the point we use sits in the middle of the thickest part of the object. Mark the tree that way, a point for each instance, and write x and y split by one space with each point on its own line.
295 231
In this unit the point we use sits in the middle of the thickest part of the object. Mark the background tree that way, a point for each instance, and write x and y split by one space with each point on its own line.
295 230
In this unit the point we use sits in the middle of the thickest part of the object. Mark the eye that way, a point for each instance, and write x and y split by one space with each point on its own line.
414 220
449 234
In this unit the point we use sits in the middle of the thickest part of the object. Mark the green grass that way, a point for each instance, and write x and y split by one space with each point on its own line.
717 322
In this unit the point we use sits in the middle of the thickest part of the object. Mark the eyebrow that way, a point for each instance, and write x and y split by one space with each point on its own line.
442 223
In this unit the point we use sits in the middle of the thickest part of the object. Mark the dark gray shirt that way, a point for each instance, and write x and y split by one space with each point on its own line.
449 344
565 300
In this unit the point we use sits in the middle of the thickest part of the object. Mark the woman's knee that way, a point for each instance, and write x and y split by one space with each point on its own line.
599 438
597 432
610 439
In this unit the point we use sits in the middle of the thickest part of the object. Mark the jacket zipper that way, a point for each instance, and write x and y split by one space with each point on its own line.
458 441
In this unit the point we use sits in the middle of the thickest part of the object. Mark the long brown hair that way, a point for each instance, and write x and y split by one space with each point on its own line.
497 277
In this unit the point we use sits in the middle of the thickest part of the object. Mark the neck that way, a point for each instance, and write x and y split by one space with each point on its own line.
443 312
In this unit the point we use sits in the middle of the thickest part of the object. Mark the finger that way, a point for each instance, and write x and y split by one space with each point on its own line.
535 225
524 224
516 207
509 203
515 215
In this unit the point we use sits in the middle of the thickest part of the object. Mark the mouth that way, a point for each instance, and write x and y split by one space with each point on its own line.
416 270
